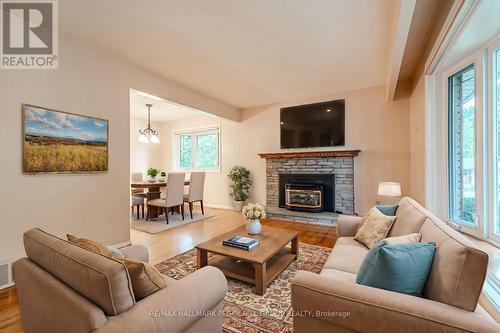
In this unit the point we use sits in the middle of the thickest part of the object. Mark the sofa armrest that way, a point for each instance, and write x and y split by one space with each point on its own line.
136 252
175 308
365 309
348 225
49 305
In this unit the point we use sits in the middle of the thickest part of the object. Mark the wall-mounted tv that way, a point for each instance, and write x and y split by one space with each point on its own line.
313 125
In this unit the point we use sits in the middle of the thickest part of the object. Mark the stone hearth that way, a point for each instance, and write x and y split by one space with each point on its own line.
340 163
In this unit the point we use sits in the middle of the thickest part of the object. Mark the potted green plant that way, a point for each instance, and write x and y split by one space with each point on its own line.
152 173
240 185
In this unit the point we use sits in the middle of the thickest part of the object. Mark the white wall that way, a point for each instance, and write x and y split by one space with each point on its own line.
379 129
88 82
144 155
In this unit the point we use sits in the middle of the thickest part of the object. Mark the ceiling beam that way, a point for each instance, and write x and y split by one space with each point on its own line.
403 14
458 18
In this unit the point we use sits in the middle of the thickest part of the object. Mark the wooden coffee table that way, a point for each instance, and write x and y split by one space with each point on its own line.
258 266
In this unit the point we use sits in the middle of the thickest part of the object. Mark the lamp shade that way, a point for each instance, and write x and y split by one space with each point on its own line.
143 138
389 189
155 138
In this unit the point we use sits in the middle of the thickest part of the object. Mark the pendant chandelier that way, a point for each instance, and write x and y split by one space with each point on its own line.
148 134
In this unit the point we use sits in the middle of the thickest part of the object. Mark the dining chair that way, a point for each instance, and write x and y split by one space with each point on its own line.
195 193
139 192
175 194
139 203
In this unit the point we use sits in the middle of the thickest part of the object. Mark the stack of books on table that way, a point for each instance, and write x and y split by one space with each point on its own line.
240 242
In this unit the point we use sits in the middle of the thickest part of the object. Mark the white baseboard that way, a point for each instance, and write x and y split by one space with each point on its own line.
7 263
216 206
7 286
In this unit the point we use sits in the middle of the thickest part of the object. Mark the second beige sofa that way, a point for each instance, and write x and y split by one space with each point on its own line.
332 301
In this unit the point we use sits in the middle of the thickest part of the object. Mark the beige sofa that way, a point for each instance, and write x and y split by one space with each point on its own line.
332 301
65 288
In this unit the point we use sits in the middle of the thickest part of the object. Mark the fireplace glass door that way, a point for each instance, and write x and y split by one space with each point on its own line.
304 197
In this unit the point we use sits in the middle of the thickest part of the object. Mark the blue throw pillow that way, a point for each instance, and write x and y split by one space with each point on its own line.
402 268
389 210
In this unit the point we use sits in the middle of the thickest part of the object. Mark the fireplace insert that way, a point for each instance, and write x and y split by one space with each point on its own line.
313 193
304 197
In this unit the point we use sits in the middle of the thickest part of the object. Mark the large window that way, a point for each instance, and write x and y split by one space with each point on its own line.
464 126
197 149
462 146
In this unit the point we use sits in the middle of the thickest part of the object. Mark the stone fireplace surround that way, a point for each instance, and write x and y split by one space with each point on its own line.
338 162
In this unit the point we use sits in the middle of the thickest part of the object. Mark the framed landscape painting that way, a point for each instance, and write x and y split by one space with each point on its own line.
62 142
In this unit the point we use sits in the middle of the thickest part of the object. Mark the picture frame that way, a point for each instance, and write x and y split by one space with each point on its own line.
60 142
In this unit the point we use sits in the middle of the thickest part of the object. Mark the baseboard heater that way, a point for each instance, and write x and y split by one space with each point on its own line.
6 279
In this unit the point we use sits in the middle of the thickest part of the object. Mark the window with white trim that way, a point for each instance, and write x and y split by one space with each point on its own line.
197 149
468 105
466 129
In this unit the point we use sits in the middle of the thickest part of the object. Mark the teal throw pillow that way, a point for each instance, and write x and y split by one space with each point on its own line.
402 268
389 210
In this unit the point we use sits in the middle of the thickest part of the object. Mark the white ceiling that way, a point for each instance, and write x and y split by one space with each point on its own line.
483 26
243 53
161 111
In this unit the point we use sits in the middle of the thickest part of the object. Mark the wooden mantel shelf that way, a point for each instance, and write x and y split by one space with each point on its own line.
307 154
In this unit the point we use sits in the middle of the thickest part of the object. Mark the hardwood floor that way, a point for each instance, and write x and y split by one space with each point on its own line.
308 233
166 245
10 320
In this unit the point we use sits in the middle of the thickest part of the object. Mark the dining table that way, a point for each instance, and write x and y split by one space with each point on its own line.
152 187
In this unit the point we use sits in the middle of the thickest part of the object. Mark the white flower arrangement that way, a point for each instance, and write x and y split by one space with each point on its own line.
253 211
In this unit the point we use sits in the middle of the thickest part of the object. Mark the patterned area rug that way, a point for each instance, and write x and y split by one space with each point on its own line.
245 311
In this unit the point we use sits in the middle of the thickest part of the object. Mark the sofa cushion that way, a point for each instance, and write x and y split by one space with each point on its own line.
459 267
402 268
146 279
339 275
102 280
375 227
169 281
410 238
347 255
409 218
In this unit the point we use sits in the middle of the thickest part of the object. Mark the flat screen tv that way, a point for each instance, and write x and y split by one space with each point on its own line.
313 125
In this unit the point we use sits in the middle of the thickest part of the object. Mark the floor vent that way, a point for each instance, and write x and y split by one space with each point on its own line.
5 275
